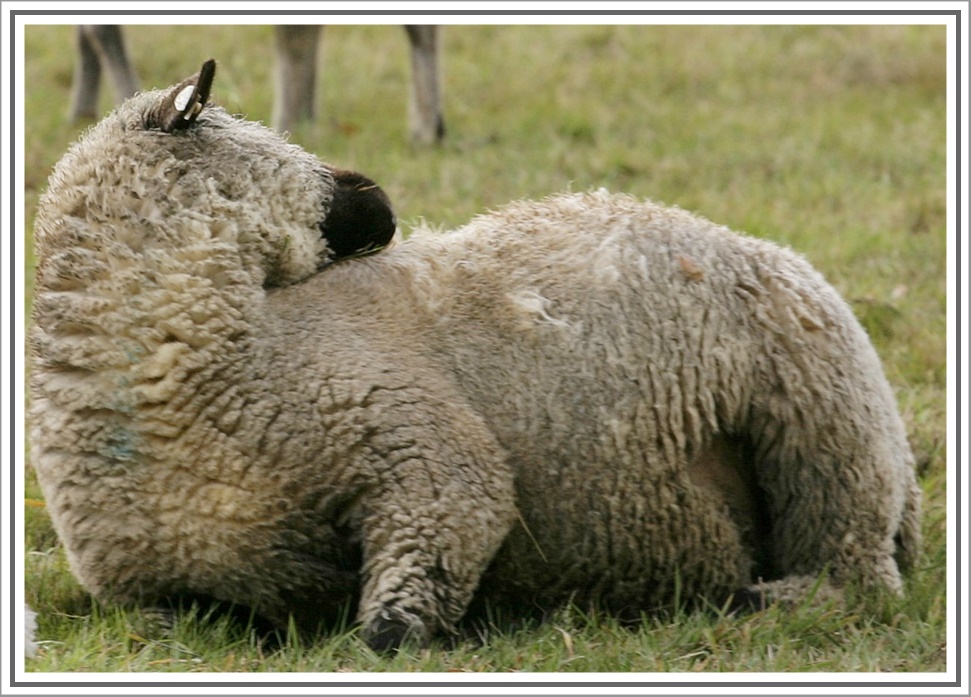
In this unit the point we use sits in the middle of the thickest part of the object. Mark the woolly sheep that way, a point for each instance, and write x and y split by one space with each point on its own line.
585 398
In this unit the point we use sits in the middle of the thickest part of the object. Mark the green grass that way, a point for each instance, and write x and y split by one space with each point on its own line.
828 139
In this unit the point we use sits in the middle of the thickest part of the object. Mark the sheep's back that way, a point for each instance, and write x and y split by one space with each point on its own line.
588 313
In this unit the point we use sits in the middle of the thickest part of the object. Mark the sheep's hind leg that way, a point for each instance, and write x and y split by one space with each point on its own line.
838 490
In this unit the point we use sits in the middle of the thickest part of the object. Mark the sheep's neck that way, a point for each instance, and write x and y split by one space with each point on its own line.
130 331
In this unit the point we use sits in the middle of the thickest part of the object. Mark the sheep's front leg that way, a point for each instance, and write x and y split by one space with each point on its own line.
431 529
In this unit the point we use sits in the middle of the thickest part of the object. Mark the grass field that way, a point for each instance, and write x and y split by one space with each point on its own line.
828 139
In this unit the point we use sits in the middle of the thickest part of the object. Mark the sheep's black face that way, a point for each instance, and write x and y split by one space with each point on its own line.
360 220
248 166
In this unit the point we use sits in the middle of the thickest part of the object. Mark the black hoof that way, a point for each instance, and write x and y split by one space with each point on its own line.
385 635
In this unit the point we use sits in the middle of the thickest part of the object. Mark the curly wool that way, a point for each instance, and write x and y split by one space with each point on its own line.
587 397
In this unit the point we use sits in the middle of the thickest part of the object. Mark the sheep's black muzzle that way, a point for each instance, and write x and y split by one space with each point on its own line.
360 221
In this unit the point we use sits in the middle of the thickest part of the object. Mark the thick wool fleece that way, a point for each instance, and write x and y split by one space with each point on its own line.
585 397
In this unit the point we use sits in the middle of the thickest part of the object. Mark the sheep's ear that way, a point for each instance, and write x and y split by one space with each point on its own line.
360 220
181 104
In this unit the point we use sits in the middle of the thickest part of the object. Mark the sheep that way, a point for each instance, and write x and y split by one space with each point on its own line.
586 398
103 46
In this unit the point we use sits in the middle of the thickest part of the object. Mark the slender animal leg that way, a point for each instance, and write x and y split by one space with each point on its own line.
296 77
87 78
425 105
111 46
99 46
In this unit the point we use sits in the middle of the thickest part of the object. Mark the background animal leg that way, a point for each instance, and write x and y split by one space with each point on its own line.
100 45
425 104
296 65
